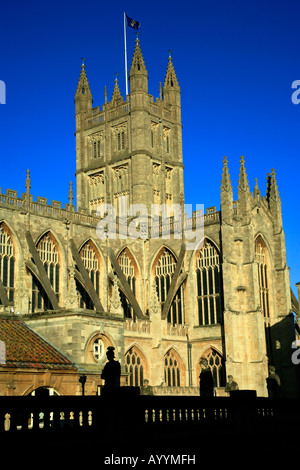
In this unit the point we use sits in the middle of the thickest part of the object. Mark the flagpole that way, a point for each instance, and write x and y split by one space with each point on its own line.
125 45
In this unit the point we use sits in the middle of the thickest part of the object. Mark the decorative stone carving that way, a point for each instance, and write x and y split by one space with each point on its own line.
154 305
115 304
72 299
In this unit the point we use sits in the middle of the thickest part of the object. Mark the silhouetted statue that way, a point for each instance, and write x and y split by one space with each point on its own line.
112 370
231 385
273 383
206 379
146 389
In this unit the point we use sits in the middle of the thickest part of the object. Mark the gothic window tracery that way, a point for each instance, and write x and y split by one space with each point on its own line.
261 258
121 140
96 189
7 262
135 367
216 365
209 288
164 271
96 145
48 252
121 188
91 261
128 268
119 134
172 370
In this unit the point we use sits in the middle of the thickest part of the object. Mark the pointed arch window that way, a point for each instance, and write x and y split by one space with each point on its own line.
134 366
164 271
209 285
7 263
48 252
261 259
121 140
97 148
216 365
172 370
127 265
91 261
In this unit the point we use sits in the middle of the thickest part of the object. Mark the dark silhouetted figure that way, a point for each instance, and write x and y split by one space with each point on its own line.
112 370
206 379
146 389
273 383
231 385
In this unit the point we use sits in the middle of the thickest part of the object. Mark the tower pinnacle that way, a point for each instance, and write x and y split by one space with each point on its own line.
138 75
83 95
225 182
274 193
243 180
171 89
170 78
83 87
116 92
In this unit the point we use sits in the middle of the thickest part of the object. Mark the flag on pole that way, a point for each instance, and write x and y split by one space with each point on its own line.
132 23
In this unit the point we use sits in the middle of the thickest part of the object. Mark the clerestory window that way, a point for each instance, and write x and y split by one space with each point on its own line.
164 271
91 263
209 285
48 253
127 266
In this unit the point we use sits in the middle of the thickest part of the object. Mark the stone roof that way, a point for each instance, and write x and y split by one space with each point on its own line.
23 348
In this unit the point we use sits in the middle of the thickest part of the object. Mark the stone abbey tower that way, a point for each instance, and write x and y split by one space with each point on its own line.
163 306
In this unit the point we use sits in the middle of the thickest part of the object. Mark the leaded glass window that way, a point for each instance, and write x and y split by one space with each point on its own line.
90 258
121 140
164 271
7 262
48 253
216 365
172 371
261 258
209 286
127 266
134 367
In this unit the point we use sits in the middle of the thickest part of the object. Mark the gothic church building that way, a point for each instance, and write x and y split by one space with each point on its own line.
162 306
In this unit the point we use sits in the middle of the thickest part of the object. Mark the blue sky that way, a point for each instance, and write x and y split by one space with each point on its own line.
235 61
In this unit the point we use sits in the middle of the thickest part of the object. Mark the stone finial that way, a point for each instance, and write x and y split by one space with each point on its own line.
137 63
83 88
28 182
71 197
243 184
170 78
274 193
256 190
225 182
116 92
28 186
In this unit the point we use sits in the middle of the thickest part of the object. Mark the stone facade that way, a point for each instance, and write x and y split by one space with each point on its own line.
162 306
